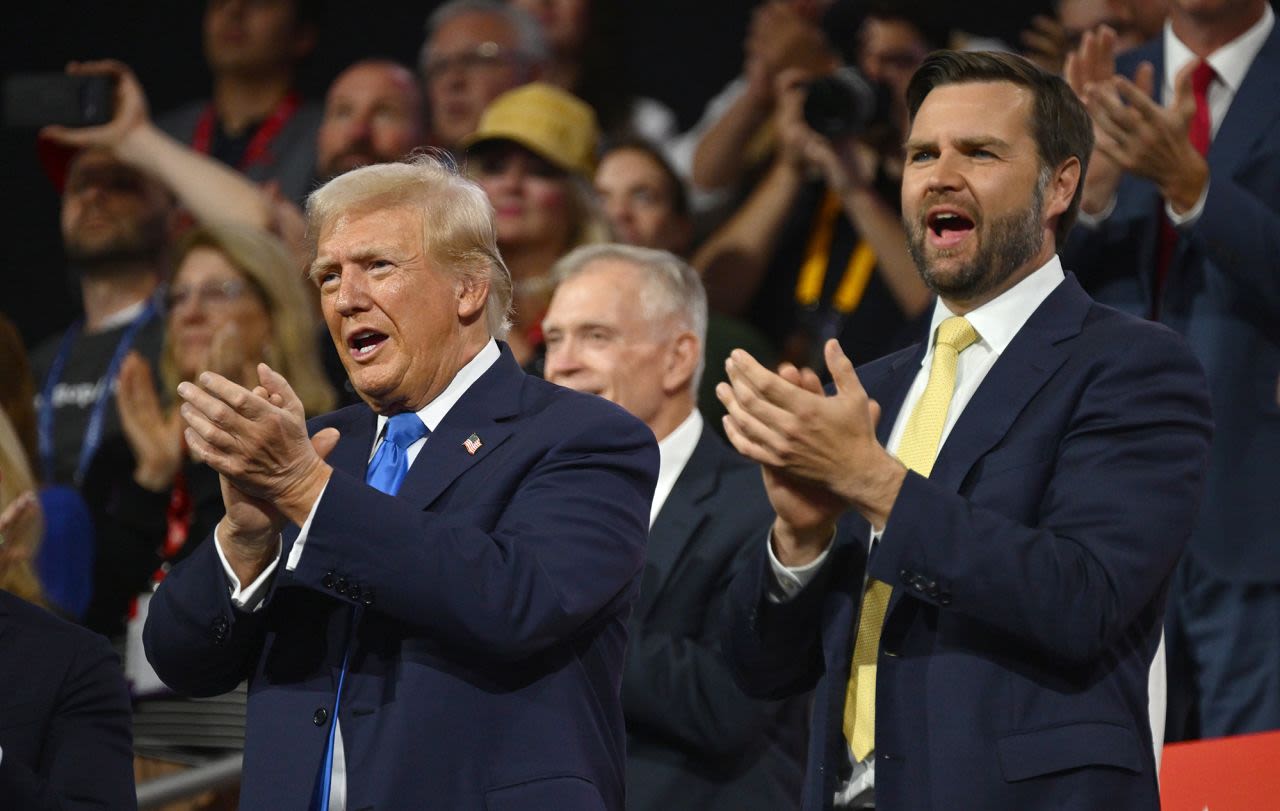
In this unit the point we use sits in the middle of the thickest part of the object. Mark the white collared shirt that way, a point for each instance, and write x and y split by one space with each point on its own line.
674 452
432 414
997 323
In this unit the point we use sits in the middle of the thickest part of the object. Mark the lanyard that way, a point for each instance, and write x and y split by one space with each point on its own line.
93 433
259 148
813 272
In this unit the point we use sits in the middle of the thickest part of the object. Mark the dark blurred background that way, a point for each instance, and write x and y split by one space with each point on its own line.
679 51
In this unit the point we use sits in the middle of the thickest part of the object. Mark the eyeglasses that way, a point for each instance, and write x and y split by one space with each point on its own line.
213 294
483 56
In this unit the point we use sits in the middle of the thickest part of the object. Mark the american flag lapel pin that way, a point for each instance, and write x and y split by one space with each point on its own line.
472 444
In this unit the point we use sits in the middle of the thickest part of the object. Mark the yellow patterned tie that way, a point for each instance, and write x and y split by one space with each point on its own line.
917 449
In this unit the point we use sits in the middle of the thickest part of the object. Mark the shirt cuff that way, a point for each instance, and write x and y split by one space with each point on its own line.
1094 220
250 597
295 554
788 581
1189 217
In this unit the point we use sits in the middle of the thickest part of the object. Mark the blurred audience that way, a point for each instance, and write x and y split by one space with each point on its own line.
1049 39
534 155
587 46
21 519
256 121
818 250
236 299
628 324
475 50
374 112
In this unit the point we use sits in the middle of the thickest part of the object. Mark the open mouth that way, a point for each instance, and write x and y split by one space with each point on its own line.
948 227
365 342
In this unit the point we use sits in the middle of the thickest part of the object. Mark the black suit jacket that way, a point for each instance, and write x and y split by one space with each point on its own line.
694 739
1029 575
65 724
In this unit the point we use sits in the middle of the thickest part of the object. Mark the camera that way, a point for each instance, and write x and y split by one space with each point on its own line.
843 103
36 99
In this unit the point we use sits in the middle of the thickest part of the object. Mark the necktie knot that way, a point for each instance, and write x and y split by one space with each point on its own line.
1201 77
405 429
957 333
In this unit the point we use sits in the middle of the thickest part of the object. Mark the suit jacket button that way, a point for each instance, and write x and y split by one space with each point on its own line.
906 575
354 592
944 599
367 599
340 585
327 580
320 717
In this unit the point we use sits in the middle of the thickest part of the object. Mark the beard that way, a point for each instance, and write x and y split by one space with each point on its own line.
1013 240
131 244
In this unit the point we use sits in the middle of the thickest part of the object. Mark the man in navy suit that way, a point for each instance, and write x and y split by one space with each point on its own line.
65 731
629 324
458 644
1187 231
979 631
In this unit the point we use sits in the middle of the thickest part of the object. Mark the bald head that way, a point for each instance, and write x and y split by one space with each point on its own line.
373 113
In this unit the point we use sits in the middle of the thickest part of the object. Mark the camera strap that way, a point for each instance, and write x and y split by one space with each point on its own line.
817 257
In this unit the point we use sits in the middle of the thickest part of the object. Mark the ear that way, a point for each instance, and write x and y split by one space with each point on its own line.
472 295
1062 187
682 362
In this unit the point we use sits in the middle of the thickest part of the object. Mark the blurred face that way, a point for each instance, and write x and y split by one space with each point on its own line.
395 316
972 203
111 212
373 114
1079 16
1220 12
253 36
564 22
207 296
889 52
598 340
530 196
471 60
638 200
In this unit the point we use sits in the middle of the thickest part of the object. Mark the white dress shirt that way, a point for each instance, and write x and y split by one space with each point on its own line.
250 598
674 452
996 322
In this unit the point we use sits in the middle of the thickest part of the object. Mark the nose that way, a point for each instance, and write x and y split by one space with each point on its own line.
944 173
353 293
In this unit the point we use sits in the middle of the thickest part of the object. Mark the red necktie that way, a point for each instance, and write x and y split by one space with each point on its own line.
1198 130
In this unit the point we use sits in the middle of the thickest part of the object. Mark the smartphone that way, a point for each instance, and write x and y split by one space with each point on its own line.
33 100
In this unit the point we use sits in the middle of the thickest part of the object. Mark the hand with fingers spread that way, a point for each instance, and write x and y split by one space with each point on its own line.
1148 140
257 441
820 453
1045 43
154 435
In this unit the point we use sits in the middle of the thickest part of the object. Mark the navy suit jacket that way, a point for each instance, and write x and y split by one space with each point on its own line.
1223 293
694 739
495 589
1029 573
65 726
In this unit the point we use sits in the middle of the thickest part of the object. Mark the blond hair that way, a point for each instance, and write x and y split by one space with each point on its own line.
457 220
274 274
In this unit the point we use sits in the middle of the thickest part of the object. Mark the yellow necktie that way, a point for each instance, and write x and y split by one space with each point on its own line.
917 450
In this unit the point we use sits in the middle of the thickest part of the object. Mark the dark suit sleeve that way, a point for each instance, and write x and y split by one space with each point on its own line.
1239 231
87 755
197 641
520 567
1122 493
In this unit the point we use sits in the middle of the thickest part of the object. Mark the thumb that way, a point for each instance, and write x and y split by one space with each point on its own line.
841 368
325 441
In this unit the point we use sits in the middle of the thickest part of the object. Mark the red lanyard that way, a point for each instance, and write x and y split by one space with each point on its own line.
259 147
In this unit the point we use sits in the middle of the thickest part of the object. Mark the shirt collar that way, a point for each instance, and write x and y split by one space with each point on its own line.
432 414
676 447
121 317
998 321
1230 62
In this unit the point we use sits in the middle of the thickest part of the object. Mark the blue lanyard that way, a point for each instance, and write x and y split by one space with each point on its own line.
98 416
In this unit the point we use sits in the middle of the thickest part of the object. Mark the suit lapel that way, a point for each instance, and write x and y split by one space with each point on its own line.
1035 353
680 516
1253 111
485 410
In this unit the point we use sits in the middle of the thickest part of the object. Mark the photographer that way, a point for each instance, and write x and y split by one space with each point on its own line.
818 250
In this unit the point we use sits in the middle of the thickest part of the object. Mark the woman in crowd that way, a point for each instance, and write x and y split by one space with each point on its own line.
534 156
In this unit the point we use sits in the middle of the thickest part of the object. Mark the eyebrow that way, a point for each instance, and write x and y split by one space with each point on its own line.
966 142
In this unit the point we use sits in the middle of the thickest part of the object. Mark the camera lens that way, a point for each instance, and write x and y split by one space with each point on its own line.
840 104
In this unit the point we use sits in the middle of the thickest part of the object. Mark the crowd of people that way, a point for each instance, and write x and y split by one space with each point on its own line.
944 372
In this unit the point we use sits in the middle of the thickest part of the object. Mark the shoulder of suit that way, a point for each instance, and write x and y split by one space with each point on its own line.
47 627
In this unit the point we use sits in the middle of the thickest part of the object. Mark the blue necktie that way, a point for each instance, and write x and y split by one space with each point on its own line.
386 471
